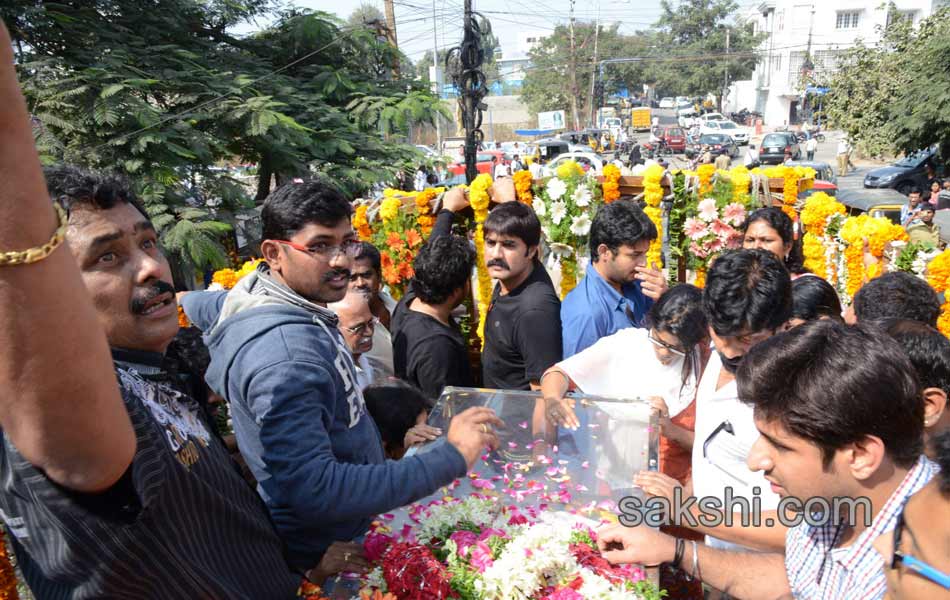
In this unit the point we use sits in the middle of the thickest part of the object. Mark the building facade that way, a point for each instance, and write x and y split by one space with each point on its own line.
797 30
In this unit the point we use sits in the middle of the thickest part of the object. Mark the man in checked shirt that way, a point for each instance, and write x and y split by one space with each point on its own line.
840 416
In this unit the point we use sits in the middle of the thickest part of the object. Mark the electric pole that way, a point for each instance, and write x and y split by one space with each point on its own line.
466 61
575 117
438 80
593 95
725 75
391 30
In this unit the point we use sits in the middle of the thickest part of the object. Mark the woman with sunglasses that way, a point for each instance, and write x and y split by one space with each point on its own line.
663 362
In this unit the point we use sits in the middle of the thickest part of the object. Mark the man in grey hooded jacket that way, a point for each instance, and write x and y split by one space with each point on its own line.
299 417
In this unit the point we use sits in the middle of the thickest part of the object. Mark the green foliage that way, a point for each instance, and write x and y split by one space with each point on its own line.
464 578
644 590
169 96
892 97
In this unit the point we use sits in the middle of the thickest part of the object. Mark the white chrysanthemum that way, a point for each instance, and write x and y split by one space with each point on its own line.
582 196
558 212
540 208
215 287
556 188
580 225
440 517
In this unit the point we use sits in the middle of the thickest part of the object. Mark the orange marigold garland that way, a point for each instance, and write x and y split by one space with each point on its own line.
424 218
938 276
568 274
653 196
700 278
479 199
611 183
8 579
361 223
183 323
523 181
705 174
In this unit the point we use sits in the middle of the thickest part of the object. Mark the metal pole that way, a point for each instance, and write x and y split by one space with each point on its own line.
438 82
466 61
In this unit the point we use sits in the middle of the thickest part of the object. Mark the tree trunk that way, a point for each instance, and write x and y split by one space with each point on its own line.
264 175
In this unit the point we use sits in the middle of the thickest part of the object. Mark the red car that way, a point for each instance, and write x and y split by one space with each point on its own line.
483 162
675 138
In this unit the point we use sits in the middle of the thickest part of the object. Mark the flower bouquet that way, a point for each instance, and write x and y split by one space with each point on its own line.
565 205
480 549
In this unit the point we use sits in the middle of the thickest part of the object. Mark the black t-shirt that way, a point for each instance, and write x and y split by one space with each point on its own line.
427 353
522 333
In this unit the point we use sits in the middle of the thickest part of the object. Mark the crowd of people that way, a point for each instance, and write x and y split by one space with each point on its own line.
115 484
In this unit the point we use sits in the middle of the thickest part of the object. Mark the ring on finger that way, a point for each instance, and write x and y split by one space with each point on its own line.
346 557
484 428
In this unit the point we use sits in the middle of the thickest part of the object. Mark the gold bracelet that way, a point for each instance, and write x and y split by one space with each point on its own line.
38 253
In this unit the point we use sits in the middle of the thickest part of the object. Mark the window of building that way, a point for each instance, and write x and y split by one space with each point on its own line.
847 20
777 62
781 20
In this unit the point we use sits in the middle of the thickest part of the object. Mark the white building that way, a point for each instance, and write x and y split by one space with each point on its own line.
794 26
527 41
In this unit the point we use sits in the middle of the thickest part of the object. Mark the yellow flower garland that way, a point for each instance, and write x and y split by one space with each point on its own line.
818 208
568 274
228 278
814 252
389 209
611 183
568 169
741 180
653 196
879 232
700 278
705 174
938 276
523 183
361 223
478 198
424 218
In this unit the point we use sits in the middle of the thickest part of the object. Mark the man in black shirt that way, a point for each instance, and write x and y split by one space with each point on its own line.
112 485
523 324
429 350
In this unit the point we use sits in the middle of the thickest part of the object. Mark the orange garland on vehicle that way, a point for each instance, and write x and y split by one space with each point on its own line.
361 223
479 200
611 183
938 276
523 181
705 174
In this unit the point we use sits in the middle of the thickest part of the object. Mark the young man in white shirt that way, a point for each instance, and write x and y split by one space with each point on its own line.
747 299
841 421
500 169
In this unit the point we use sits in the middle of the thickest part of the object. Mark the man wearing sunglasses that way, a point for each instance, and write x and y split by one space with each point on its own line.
299 415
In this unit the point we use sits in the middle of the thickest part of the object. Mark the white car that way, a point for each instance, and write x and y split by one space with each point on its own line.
588 160
667 103
682 99
740 135
713 116
685 109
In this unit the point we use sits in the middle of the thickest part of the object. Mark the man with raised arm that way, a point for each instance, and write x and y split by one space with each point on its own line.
112 485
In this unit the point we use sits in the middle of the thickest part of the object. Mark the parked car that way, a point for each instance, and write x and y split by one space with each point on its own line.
587 160
874 202
427 151
675 138
738 134
713 116
775 145
667 103
685 109
820 185
716 142
904 174
483 162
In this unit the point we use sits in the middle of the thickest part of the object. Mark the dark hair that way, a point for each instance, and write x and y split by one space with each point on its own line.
679 311
293 206
915 190
900 295
814 298
620 223
925 205
394 405
514 219
941 447
71 186
747 290
833 384
927 349
442 266
776 219
370 253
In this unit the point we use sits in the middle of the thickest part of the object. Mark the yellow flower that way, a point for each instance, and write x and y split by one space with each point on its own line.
705 174
226 278
654 254
652 188
938 272
568 169
818 207
740 183
478 198
814 252
611 183
943 322
389 209
568 274
523 181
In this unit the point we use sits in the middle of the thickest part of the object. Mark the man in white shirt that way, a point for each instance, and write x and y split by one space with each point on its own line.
810 147
536 169
356 325
751 157
844 156
747 299
500 169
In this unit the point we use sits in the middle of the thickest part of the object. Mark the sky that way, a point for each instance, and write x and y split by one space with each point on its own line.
415 22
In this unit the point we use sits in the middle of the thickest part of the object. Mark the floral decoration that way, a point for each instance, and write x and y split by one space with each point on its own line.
878 232
225 279
8 580
523 182
479 199
361 223
653 196
705 173
611 187
938 276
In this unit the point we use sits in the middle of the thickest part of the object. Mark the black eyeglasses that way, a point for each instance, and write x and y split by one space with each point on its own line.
658 342
917 566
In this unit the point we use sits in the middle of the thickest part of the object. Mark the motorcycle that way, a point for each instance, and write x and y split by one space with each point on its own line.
656 149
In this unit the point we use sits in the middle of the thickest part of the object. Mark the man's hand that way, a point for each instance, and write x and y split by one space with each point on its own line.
421 434
560 411
657 484
652 281
471 431
341 557
455 199
635 545
503 190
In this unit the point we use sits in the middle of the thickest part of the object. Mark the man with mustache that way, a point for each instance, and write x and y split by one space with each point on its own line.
357 324
366 276
112 484
298 412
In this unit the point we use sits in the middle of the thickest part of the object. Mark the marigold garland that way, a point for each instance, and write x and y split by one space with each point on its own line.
814 252
611 183
183 323
478 198
741 180
361 223
938 276
653 196
424 218
700 278
569 168
568 274
228 278
705 174
818 208
878 232
8 581
523 181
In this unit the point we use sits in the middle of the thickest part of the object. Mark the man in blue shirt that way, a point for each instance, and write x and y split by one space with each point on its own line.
619 287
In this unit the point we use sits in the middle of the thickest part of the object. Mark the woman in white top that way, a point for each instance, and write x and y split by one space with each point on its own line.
662 362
